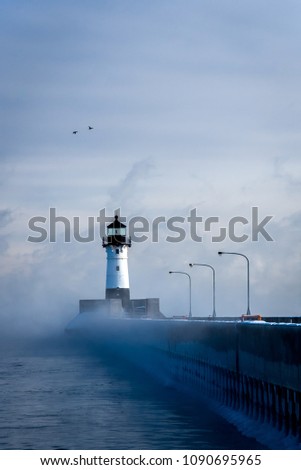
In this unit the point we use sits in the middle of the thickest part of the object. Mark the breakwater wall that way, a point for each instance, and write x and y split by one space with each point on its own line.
254 368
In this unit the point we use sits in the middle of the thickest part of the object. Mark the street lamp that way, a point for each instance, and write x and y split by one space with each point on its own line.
186 274
213 283
248 274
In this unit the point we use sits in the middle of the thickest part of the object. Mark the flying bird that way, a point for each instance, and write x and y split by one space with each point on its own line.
90 128
74 132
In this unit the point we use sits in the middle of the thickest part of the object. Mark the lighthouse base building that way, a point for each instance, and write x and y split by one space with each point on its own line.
117 301
136 308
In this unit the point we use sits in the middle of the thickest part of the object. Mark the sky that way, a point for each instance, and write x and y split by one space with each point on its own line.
194 105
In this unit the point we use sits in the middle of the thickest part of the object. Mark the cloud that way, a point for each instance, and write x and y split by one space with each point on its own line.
5 217
288 171
129 192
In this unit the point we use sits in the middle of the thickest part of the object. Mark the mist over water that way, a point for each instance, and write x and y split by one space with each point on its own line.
59 392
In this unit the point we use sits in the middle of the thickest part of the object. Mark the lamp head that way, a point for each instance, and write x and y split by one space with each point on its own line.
190 264
220 253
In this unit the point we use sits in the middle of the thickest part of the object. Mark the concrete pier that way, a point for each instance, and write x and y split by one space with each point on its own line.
253 368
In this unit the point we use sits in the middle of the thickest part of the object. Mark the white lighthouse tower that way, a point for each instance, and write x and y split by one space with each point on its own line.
116 244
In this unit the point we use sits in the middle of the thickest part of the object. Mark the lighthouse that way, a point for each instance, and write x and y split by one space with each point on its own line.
117 302
116 244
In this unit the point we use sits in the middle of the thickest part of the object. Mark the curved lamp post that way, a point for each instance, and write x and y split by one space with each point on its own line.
248 274
213 283
186 274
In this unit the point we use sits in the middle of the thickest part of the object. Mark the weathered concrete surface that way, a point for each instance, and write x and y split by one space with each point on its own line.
269 352
254 368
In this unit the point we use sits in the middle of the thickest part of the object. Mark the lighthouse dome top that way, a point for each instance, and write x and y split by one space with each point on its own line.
116 223
116 234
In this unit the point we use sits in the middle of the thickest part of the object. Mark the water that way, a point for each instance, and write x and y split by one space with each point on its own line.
55 394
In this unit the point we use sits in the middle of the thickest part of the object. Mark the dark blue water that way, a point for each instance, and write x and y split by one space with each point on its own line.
55 394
